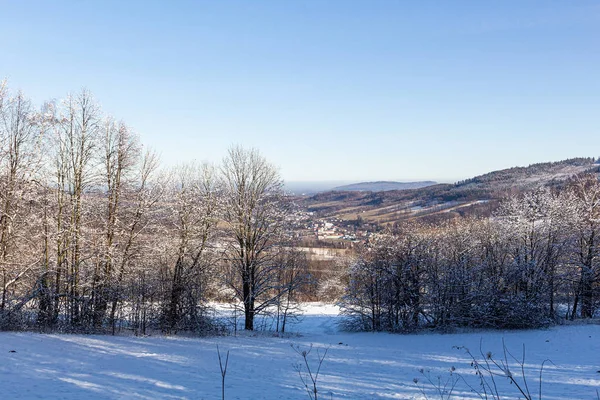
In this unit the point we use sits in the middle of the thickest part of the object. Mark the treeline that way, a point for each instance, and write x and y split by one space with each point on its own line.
95 237
536 261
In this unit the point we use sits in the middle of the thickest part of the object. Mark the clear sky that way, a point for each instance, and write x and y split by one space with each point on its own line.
326 90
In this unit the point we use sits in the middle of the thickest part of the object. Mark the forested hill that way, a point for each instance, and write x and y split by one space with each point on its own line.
479 192
535 173
497 184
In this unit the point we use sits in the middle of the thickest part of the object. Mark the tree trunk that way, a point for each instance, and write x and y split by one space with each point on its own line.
248 306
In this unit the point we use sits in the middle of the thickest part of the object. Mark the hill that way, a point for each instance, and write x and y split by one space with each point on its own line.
477 195
383 186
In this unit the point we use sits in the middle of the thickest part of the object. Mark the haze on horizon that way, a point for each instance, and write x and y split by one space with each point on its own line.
329 91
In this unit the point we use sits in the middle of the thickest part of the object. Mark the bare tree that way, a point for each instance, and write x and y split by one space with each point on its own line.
194 219
292 278
539 221
142 199
20 139
384 290
254 212
586 191
120 156
77 141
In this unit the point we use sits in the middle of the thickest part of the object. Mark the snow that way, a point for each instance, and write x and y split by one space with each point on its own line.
261 365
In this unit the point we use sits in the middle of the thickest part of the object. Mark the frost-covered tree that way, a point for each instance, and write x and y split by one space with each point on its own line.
193 220
77 140
539 222
385 283
586 194
119 149
254 214
20 149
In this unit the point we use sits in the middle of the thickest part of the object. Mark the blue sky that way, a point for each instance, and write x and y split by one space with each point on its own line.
326 90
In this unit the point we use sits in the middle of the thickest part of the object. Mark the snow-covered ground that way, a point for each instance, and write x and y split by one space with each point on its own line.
261 366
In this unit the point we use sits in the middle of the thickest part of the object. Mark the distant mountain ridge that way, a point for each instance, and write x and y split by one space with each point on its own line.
383 186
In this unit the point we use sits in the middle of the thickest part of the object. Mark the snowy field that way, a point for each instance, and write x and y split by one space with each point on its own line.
261 366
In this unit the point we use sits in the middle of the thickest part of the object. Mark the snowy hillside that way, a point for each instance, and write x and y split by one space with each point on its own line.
261 366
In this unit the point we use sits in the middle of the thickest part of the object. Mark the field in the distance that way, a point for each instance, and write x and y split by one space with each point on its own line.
261 366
